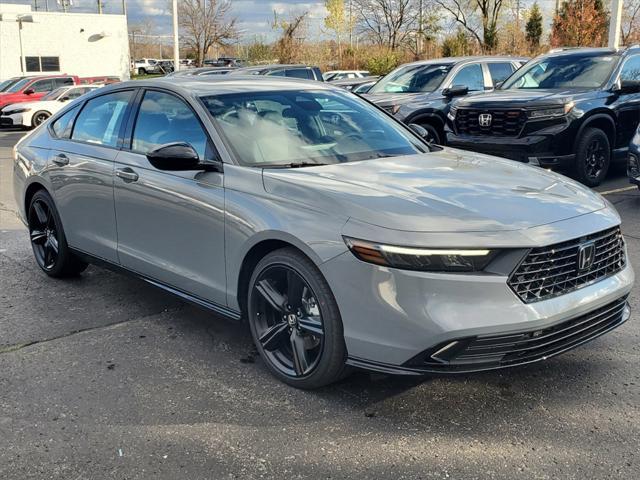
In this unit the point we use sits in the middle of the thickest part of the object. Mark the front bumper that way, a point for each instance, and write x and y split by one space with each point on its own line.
395 320
11 120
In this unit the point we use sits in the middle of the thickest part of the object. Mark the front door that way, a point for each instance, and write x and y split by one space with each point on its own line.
628 105
171 224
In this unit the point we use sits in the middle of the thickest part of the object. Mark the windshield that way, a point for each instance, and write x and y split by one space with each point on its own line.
281 128
54 94
413 78
5 84
16 87
569 71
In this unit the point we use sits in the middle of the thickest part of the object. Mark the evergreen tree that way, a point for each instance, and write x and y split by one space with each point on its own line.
534 26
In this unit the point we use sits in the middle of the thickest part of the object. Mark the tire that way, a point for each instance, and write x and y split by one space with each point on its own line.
39 117
300 341
142 71
434 137
593 157
48 240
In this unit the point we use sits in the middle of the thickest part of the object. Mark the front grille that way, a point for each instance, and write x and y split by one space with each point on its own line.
551 271
495 351
505 123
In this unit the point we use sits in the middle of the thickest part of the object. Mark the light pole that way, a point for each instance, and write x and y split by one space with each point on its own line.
24 18
176 46
614 23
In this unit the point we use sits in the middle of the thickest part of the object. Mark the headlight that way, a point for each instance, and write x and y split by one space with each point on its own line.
423 259
452 113
551 112
19 110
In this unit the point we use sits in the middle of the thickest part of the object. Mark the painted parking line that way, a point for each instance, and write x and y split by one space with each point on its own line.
618 190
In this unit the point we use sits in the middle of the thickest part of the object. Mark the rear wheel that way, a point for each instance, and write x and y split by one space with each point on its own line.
593 156
39 117
294 320
433 136
141 71
48 241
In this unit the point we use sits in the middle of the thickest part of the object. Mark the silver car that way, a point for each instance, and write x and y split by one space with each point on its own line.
339 235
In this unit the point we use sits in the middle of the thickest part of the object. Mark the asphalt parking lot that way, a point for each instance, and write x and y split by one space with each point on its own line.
106 377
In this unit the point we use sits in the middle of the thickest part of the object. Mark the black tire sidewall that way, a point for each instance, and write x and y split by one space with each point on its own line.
333 357
586 138
35 116
433 131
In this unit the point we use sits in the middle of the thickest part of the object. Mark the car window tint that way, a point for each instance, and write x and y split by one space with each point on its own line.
470 76
164 118
276 73
303 73
59 82
100 120
42 86
631 69
500 71
61 125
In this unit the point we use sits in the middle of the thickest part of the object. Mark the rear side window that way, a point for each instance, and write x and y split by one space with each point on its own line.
63 81
100 120
165 118
303 73
62 126
500 71
276 73
631 69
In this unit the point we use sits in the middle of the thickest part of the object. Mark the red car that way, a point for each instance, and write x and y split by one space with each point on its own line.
33 88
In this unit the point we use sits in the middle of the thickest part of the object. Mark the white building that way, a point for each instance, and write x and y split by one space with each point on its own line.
83 44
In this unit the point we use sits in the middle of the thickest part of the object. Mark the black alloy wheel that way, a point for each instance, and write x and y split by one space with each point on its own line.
39 118
433 136
48 241
294 320
593 155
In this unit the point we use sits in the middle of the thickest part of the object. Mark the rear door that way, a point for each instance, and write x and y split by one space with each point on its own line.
82 159
170 223
627 105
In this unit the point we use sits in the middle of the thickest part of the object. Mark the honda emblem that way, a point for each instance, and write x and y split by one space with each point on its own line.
586 256
484 120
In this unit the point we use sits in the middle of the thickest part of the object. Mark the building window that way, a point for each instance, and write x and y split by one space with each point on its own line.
42 64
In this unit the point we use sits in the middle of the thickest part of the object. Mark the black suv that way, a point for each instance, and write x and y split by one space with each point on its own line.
422 92
573 108
304 72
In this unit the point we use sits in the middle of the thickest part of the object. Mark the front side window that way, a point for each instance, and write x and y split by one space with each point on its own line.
100 120
303 73
42 86
413 79
469 76
165 118
61 126
564 71
500 71
631 69
280 128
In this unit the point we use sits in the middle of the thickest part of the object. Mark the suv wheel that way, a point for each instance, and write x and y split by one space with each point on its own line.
48 240
432 134
295 322
141 71
593 156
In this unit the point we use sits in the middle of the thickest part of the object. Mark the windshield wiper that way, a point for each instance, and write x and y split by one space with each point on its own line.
293 165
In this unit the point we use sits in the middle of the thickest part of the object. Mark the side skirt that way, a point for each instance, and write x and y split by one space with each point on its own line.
214 307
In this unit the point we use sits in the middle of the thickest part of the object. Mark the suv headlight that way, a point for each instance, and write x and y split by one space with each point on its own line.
553 112
452 113
423 259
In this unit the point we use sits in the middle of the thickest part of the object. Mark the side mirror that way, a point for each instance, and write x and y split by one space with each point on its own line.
629 86
64 99
419 130
29 91
178 156
455 91
498 85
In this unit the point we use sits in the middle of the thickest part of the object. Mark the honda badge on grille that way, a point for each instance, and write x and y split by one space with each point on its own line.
586 256
484 120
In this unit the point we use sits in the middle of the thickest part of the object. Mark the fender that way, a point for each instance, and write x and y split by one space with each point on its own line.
430 114
590 119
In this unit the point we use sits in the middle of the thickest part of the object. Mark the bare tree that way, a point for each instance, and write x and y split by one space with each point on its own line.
388 23
206 23
483 29
630 28
292 33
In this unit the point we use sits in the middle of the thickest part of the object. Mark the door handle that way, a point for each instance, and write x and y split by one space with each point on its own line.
127 174
61 160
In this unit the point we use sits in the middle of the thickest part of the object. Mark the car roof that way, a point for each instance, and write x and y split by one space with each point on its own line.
275 66
457 60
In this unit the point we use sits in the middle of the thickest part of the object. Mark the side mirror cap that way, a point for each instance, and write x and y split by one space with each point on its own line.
455 91
64 99
29 91
179 156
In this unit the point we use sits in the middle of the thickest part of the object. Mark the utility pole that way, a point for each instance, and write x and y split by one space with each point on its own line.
350 28
420 30
100 7
614 24
176 46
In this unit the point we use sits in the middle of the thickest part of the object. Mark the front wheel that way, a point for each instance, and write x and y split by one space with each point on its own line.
433 136
39 118
295 322
593 156
48 241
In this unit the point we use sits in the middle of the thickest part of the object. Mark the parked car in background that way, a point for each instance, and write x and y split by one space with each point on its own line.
30 89
32 114
224 62
202 71
6 84
423 92
304 72
574 109
333 75
356 85
145 66
338 234
165 66
102 80
633 161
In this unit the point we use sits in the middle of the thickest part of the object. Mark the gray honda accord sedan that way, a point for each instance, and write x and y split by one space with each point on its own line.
338 234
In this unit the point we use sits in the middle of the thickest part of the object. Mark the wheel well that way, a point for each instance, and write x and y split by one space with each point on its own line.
603 123
432 120
28 195
251 259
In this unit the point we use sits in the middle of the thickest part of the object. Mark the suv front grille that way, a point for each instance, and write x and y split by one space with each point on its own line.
551 271
506 123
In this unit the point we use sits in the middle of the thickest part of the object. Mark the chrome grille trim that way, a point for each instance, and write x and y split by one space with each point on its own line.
551 271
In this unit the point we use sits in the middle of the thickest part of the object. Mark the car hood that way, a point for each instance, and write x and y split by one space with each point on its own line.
23 105
444 191
523 98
